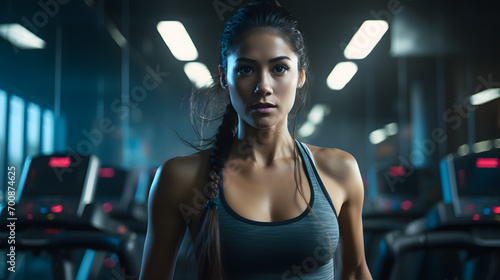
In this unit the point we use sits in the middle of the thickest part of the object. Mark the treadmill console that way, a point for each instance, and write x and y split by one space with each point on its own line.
56 186
471 183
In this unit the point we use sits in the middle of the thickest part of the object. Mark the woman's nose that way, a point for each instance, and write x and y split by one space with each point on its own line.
264 85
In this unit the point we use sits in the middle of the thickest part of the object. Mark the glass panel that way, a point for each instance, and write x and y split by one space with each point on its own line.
33 129
3 140
48 132
15 146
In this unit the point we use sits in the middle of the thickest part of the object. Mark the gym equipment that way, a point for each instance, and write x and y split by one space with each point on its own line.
393 201
55 213
466 222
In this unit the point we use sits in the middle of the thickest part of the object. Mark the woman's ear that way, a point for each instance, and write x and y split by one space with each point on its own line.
223 80
302 78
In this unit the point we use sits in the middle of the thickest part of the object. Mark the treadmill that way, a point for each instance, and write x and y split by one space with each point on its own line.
115 192
461 234
55 215
393 200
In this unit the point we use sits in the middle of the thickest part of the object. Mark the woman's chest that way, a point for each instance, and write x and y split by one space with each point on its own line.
266 195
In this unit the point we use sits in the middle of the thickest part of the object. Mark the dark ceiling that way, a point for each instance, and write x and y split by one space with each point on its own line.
92 62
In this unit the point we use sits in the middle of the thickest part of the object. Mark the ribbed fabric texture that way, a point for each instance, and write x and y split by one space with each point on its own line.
292 249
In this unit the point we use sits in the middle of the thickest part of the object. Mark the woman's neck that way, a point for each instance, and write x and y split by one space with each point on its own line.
264 146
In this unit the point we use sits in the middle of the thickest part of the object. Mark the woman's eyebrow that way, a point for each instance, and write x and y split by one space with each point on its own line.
270 60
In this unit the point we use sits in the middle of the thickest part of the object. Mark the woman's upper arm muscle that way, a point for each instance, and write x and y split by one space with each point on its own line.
350 221
166 226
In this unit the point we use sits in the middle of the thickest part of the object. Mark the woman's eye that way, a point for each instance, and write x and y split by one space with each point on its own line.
280 69
244 70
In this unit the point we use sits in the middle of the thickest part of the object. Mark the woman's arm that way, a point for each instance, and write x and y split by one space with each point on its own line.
350 222
166 226
345 186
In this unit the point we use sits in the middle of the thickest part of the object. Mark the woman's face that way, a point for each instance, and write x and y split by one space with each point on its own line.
262 78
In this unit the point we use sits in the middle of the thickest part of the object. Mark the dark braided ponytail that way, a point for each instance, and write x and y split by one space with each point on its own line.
207 244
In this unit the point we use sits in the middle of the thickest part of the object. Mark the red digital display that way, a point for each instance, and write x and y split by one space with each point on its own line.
31 177
107 207
106 172
397 171
59 162
469 208
109 263
487 163
122 229
56 208
406 205
28 207
461 179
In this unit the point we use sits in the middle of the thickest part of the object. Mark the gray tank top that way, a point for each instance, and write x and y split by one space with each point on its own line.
293 249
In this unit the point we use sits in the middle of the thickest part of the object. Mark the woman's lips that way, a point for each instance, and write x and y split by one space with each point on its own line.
262 107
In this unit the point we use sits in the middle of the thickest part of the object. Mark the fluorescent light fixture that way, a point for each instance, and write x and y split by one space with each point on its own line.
377 136
21 37
177 39
341 74
463 150
315 117
365 39
482 146
307 129
198 74
115 34
391 129
497 143
485 96
317 114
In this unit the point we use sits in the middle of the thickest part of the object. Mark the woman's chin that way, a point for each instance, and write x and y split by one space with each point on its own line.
266 123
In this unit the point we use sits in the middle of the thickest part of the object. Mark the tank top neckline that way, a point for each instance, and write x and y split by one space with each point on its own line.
276 223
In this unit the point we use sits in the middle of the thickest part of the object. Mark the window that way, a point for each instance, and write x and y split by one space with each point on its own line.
48 132
3 138
16 117
15 151
33 130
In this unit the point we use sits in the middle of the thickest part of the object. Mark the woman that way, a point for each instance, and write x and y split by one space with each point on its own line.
240 199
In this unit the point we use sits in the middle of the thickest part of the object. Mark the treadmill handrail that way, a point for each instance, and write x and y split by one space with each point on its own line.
400 244
127 247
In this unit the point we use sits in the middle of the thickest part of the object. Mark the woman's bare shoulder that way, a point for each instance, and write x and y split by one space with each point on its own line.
340 166
334 160
184 167
177 176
